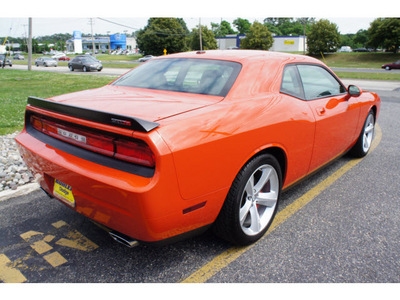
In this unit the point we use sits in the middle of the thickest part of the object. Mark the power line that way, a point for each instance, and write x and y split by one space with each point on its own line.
117 23
148 31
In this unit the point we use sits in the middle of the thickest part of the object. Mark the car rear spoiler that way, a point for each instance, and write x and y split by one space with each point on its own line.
94 115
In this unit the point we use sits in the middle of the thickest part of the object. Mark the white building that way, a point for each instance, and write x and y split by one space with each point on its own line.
293 43
289 43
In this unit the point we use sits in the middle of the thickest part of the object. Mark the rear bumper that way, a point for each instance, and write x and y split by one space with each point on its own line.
147 209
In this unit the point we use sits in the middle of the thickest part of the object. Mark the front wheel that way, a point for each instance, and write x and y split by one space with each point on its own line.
252 201
84 69
364 142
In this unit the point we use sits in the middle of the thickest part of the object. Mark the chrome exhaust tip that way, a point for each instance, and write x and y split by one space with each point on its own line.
123 239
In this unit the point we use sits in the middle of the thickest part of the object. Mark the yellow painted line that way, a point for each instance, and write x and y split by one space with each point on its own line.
40 246
228 256
75 239
8 274
55 259
59 224
78 241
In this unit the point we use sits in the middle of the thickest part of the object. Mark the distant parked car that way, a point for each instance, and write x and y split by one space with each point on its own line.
8 61
395 65
18 57
146 58
64 58
46 62
58 55
345 49
361 50
85 63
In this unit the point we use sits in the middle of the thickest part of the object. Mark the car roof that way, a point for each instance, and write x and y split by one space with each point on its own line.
243 56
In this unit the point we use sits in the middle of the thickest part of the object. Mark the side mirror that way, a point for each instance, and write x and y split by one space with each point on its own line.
354 91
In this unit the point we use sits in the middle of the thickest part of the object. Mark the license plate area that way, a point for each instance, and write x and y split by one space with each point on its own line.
63 192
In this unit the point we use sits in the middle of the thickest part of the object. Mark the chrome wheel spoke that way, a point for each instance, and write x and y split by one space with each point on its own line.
366 142
255 219
249 188
244 211
369 129
266 173
267 199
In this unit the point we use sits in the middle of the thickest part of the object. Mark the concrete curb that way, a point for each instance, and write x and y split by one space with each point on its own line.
20 191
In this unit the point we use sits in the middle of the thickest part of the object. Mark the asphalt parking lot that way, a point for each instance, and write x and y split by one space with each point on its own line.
342 225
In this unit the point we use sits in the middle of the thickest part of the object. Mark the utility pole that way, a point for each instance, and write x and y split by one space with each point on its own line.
91 26
201 43
304 36
30 46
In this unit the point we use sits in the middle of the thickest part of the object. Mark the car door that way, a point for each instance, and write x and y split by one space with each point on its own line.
77 64
336 114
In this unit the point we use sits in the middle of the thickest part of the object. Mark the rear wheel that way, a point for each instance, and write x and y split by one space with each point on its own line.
364 142
252 201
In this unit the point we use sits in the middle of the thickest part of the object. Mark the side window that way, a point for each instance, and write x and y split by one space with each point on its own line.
318 82
291 84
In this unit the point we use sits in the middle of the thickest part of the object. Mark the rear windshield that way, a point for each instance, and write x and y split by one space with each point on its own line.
198 76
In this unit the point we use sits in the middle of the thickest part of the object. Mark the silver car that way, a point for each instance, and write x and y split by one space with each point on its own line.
46 61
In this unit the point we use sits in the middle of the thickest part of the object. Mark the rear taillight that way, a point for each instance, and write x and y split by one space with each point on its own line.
137 152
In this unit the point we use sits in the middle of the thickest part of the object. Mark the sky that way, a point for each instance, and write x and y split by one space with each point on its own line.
48 18
18 27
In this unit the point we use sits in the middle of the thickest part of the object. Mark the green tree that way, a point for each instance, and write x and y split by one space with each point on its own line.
288 26
222 29
242 25
347 40
163 33
361 38
385 33
207 39
323 37
258 38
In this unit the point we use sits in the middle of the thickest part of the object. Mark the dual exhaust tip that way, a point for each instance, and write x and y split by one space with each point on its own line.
123 239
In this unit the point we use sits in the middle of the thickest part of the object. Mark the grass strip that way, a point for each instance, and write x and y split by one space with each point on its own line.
17 85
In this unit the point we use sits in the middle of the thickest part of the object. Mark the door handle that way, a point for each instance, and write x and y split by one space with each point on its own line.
321 110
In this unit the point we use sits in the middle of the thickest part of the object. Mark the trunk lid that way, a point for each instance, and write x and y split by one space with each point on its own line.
150 105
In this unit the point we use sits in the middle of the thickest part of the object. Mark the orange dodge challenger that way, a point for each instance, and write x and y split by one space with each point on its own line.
193 140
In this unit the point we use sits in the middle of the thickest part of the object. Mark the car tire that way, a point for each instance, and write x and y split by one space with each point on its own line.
251 203
84 69
71 68
387 68
37 65
364 141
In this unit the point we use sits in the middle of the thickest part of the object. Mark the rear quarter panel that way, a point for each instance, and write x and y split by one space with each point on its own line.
210 148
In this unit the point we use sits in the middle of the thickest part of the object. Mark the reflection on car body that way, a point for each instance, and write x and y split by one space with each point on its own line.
195 140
